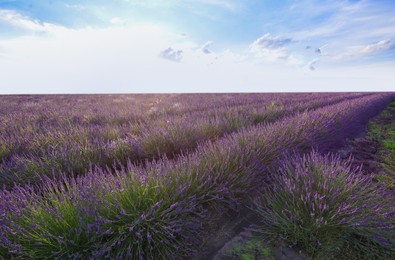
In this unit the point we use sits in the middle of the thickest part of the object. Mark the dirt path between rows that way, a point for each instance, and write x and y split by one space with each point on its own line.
236 229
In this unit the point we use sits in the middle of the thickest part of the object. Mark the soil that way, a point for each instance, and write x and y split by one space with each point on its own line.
365 152
236 229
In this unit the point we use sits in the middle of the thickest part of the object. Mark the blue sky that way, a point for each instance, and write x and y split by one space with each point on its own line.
130 46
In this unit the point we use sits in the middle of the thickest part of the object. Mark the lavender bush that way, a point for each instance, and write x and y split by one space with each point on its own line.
327 208
37 138
161 209
101 216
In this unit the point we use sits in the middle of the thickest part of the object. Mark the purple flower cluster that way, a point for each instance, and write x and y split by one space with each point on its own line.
161 209
324 205
38 138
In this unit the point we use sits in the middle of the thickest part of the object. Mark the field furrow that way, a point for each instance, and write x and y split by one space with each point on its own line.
53 141
162 210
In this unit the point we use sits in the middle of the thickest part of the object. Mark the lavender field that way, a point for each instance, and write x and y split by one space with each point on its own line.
144 176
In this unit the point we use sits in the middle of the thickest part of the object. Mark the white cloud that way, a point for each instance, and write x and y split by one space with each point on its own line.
116 20
21 22
125 58
312 64
3 52
271 47
115 59
347 27
381 46
355 52
170 54
206 47
270 42
84 60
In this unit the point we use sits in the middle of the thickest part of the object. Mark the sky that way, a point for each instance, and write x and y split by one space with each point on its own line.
196 46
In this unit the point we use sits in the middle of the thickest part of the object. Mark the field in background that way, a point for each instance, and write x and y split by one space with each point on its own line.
142 176
70 133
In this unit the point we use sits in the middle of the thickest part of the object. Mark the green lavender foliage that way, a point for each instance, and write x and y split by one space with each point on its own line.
329 209
160 209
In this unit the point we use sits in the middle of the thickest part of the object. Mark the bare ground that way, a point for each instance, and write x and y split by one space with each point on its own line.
236 229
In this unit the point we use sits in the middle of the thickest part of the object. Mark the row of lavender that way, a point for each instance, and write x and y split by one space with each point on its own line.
100 130
160 211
